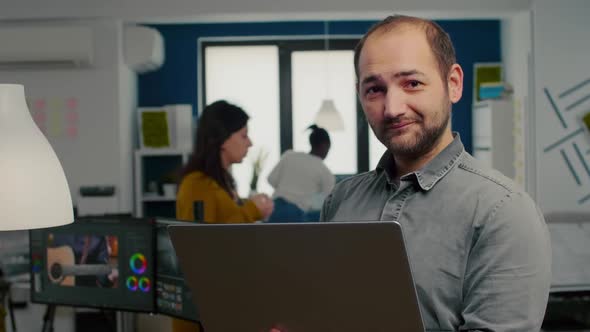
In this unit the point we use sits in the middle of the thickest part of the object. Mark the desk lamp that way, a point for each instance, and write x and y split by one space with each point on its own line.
35 192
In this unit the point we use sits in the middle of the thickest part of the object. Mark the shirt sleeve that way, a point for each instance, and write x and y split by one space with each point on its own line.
246 213
325 212
273 176
508 272
218 205
327 181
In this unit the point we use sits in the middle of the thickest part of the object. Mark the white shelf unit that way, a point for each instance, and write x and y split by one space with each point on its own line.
493 135
152 165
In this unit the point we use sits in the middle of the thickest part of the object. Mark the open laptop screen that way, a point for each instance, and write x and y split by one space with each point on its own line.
173 297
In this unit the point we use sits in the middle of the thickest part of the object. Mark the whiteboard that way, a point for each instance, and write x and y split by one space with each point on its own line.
561 98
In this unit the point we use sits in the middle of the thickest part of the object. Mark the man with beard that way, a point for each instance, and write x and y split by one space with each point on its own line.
478 245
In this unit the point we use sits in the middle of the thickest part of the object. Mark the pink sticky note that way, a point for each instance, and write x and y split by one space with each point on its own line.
72 103
72 117
39 117
40 104
72 132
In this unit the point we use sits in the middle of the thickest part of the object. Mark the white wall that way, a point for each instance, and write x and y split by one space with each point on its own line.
561 48
516 52
102 151
100 154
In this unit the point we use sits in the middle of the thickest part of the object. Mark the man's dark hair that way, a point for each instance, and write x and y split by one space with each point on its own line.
439 41
216 124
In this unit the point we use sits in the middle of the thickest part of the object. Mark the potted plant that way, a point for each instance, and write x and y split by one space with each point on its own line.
169 184
257 166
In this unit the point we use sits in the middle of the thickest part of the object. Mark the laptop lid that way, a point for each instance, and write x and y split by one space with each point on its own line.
570 235
303 277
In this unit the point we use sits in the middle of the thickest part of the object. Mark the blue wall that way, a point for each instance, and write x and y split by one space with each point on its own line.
176 81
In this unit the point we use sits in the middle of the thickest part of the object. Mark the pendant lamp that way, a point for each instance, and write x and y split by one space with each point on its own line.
328 116
35 192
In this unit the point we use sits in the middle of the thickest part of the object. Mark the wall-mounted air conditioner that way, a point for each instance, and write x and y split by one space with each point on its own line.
45 47
143 48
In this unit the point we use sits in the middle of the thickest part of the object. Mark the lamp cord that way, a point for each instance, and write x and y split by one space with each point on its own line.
327 57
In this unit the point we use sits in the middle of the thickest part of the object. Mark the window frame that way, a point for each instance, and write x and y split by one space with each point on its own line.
286 46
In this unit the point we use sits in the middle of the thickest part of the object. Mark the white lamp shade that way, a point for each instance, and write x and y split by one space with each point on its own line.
35 191
328 117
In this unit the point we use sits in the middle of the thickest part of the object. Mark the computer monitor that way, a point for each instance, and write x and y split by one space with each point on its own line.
95 262
173 297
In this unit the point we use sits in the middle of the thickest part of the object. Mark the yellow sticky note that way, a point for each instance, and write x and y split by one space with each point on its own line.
154 129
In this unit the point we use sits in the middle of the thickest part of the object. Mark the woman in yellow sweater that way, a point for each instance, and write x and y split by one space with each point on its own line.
222 140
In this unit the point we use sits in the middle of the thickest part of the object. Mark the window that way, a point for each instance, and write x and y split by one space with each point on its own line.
317 75
280 84
376 150
248 76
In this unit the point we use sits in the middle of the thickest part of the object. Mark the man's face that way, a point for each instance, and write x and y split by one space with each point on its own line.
404 97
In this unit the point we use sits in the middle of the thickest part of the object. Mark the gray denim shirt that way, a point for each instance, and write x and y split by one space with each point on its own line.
478 245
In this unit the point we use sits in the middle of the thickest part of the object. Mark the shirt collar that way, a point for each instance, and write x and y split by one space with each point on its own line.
432 172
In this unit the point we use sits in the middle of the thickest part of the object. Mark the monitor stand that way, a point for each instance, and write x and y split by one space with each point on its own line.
48 318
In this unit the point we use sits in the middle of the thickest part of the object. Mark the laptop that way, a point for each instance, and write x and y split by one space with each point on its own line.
299 277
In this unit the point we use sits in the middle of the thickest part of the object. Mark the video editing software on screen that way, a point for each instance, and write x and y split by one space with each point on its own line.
104 263
124 264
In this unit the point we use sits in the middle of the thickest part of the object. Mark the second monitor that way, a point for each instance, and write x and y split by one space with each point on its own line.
94 262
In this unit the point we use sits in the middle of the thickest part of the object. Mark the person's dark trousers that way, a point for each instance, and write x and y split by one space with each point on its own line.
285 211
312 216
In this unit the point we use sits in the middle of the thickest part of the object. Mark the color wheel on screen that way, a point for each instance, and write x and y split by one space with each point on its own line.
132 283
138 263
144 284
